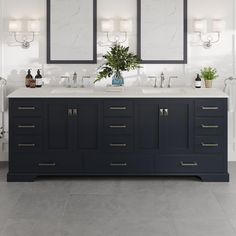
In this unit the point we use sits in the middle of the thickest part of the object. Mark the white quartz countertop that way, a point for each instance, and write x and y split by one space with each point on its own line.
128 92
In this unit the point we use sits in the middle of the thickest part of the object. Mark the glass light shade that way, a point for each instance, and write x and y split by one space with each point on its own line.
200 26
218 25
33 26
107 25
126 26
15 26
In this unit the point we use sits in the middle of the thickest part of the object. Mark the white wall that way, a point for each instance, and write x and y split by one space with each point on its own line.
222 56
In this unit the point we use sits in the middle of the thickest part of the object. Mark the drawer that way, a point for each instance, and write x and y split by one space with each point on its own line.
115 126
118 143
211 107
26 107
119 164
27 125
210 144
27 144
210 126
191 164
118 108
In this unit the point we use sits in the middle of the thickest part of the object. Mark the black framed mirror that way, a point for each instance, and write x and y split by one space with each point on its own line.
71 31
162 31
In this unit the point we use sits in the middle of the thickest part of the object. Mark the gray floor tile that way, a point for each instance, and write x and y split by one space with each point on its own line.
204 228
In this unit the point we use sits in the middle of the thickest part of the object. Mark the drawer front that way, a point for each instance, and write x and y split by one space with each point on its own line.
191 164
27 144
27 125
118 108
211 144
26 108
118 144
119 164
210 107
115 126
210 126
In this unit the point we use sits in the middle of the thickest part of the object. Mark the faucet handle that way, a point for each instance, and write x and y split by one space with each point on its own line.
153 77
171 77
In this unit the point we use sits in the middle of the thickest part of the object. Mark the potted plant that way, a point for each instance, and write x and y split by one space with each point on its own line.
118 59
209 74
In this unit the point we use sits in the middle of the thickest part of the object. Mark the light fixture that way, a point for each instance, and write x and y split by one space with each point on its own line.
208 37
108 27
15 27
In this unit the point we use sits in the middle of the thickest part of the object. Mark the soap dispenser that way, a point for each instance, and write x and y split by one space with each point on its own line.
39 79
28 78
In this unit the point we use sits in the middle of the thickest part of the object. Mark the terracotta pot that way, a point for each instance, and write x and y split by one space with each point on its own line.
208 83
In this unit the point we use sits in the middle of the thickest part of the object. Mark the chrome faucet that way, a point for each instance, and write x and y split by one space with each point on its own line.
171 77
162 80
75 77
153 77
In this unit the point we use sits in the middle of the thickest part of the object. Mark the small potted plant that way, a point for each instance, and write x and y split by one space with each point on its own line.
209 74
118 59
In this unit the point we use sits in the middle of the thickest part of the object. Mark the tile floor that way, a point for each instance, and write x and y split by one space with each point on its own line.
118 207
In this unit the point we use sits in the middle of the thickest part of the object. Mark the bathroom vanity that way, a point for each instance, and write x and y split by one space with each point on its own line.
138 132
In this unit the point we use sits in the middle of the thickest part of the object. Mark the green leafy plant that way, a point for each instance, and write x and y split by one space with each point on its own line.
209 73
117 59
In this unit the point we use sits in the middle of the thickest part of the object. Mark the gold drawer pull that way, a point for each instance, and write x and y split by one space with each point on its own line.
118 108
26 126
210 126
210 108
210 144
26 108
118 164
118 126
26 145
188 164
118 145
47 164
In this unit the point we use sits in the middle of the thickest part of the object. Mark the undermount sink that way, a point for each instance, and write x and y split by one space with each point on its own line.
72 91
163 91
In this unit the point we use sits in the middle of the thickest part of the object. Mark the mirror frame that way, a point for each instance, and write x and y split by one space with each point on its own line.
185 41
93 60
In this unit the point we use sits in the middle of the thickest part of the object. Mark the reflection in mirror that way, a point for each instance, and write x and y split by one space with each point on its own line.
71 31
162 31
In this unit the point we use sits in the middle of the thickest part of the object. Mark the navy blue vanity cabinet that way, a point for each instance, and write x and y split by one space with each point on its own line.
118 136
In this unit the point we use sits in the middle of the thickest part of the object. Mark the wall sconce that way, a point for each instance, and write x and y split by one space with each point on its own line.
15 27
125 26
208 38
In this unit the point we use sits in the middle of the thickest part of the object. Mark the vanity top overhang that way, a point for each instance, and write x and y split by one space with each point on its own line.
128 92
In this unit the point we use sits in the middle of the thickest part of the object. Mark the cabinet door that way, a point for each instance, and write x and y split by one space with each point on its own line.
176 126
59 125
87 125
146 123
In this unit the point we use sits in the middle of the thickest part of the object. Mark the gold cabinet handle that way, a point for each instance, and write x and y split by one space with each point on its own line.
26 145
26 126
210 144
210 108
118 164
118 108
210 126
26 108
118 126
188 164
118 145
46 164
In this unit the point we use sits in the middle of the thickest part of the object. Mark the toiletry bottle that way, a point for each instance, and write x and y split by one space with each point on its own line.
39 79
198 82
28 78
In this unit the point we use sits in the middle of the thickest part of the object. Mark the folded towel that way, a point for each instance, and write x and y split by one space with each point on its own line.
230 89
3 97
